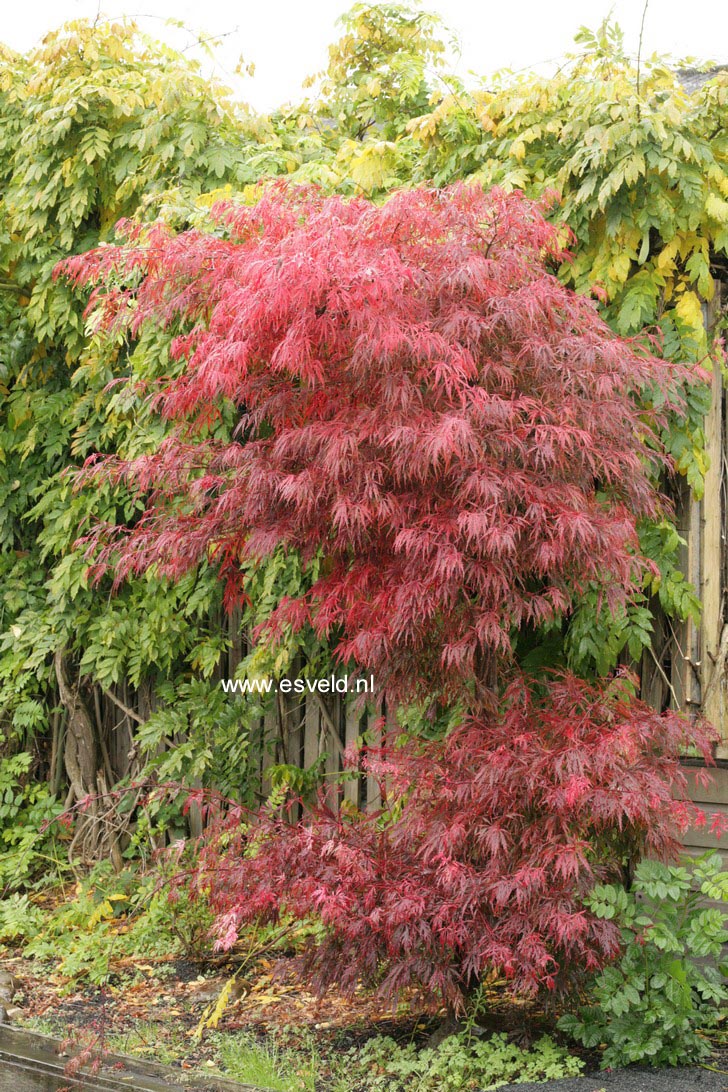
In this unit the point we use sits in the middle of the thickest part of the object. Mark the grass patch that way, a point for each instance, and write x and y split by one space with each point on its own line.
267 1064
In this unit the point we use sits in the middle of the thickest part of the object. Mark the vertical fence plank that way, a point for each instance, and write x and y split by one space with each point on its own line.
389 735
352 788
374 735
333 756
270 747
311 733
713 646
235 634
294 731
685 658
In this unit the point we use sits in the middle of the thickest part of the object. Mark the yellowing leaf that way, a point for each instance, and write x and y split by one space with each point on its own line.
717 208
666 258
103 912
213 1013
690 310
619 267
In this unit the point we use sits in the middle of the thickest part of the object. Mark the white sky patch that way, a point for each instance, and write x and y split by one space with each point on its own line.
287 39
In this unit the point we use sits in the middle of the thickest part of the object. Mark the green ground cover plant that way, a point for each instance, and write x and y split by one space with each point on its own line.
381 1064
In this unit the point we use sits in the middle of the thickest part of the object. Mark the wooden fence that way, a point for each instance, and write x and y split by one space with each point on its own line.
686 667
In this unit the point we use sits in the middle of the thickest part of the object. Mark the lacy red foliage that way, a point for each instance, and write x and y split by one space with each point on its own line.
506 825
420 399
469 446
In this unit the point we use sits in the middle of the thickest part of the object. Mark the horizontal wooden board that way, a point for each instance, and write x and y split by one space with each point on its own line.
714 793
34 1063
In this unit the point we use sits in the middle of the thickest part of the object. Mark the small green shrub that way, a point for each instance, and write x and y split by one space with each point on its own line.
77 935
159 926
652 1005
27 847
113 915
20 920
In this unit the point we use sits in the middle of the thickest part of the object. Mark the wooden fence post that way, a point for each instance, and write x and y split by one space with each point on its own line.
714 640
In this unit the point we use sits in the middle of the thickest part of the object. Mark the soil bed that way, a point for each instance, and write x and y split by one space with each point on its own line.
154 1011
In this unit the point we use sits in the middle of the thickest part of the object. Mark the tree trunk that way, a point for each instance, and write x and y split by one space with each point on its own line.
96 834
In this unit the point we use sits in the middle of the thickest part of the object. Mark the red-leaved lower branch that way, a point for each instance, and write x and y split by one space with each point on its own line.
500 831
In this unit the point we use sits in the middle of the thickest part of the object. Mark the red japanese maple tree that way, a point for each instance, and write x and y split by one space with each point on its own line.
469 447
